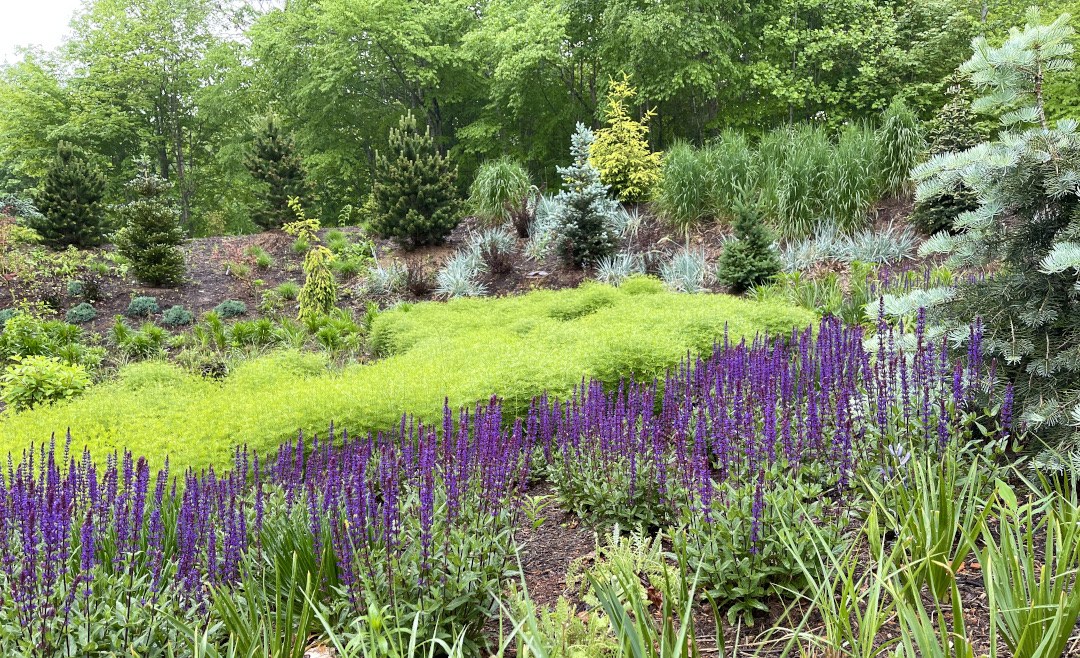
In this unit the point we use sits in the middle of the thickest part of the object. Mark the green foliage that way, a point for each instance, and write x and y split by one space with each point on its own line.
900 144
684 190
955 128
6 314
80 314
749 260
687 271
288 290
743 567
151 236
142 307
620 151
35 380
415 188
230 308
1031 604
319 294
465 350
27 335
70 201
146 342
498 183
177 316
584 212
75 288
561 632
1027 225
275 164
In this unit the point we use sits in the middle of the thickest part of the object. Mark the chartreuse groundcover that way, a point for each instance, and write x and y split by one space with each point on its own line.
463 351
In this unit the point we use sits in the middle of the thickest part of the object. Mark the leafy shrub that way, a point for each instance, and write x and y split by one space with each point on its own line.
142 307
288 290
415 188
684 189
230 308
151 235
177 316
80 314
70 201
26 335
496 247
498 183
620 151
751 259
687 271
34 380
583 216
741 564
75 288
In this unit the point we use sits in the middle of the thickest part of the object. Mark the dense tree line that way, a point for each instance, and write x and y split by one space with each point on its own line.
188 82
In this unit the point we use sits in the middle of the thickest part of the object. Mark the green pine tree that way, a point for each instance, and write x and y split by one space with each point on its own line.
275 164
151 233
415 189
70 201
750 260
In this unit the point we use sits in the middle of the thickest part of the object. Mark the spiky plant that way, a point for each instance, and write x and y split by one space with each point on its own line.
750 260
684 190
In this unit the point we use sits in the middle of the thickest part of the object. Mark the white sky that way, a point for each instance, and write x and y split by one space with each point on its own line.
38 22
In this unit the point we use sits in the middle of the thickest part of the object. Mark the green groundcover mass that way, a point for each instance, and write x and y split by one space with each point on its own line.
467 350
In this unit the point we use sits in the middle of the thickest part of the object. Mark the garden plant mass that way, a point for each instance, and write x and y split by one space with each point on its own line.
539 328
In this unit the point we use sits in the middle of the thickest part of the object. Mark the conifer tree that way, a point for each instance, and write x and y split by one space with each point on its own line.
275 164
620 151
70 201
750 260
318 297
415 191
584 213
151 236
1027 227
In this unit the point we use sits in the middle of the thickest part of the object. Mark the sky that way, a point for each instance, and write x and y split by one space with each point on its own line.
38 22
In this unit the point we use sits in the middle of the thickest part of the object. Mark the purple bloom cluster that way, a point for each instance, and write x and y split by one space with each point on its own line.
423 513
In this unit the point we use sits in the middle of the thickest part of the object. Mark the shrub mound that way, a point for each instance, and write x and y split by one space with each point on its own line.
464 350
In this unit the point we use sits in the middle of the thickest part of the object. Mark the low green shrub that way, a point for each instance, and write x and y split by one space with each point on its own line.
80 314
464 350
34 380
230 308
26 335
75 288
6 314
177 316
142 307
